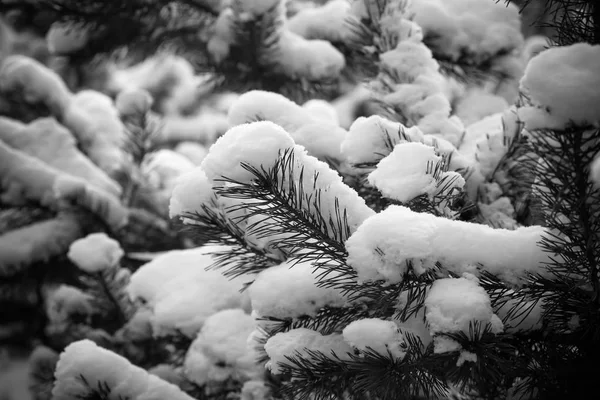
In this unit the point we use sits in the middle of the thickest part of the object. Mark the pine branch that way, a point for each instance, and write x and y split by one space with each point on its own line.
367 376
573 21
101 392
239 257
495 364
291 214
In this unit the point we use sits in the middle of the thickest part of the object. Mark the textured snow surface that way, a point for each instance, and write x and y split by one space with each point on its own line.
192 190
475 28
221 352
125 380
373 334
381 246
257 144
290 291
298 341
453 305
182 293
96 252
403 174
313 125
562 83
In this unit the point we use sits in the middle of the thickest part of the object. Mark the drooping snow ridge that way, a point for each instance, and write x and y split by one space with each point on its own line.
473 28
290 291
402 175
377 335
257 144
374 253
192 190
99 367
182 293
567 92
95 253
220 351
306 124
297 341
452 304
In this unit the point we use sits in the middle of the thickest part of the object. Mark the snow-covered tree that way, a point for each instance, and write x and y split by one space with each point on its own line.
176 240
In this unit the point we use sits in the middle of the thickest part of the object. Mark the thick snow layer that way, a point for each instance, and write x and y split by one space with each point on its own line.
257 144
255 390
96 252
260 145
296 341
328 22
182 293
520 315
420 93
163 168
336 198
195 152
64 302
380 336
477 104
192 190
311 59
99 366
371 138
452 304
290 291
223 35
313 125
381 246
257 7
220 351
477 29
595 171
133 102
63 38
562 84
321 110
403 175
